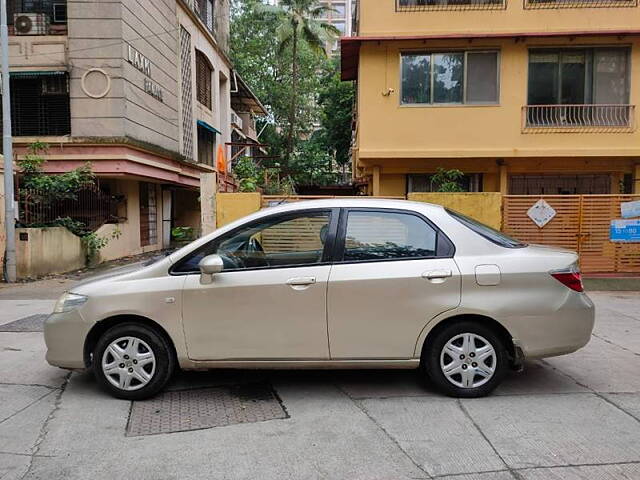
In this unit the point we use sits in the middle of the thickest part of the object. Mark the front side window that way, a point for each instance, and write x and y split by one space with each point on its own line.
450 78
388 235
289 241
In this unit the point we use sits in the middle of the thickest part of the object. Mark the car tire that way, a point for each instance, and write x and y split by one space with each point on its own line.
465 359
133 361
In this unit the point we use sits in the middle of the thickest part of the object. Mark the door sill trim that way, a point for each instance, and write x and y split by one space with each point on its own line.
302 364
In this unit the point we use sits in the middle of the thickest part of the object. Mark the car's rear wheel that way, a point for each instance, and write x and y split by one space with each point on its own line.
132 361
466 359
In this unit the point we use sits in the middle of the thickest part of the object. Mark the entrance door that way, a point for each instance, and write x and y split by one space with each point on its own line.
396 273
269 303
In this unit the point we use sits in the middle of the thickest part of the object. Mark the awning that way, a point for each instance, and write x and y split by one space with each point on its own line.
350 46
209 127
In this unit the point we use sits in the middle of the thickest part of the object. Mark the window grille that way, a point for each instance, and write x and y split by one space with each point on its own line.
40 104
187 105
204 71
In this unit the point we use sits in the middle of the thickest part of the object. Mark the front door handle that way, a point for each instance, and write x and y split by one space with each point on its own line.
301 281
437 274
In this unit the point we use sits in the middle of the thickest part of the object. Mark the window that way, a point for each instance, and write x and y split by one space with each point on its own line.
56 10
487 232
579 76
204 71
40 104
205 10
206 146
388 235
282 241
450 78
471 182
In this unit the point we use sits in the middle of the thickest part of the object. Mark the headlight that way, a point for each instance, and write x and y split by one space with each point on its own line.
68 302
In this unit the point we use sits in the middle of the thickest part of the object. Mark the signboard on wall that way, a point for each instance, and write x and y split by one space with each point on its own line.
630 209
625 231
143 64
541 213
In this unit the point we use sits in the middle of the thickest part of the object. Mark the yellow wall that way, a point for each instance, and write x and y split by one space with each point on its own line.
389 130
379 17
232 206
393 185
484 207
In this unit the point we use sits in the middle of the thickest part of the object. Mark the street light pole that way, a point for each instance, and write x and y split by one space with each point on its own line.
7 149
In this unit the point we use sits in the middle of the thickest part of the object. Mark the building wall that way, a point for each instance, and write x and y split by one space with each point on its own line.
47 250
388 129
201 39
380 18
108 97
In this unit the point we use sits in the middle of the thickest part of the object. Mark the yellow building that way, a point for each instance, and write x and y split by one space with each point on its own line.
523 96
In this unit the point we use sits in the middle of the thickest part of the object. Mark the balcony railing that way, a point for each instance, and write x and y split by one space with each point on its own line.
435 5
579 118
557 4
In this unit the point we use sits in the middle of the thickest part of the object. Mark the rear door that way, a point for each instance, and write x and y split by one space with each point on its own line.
394 272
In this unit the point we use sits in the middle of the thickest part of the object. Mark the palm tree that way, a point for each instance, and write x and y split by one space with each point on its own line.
299 21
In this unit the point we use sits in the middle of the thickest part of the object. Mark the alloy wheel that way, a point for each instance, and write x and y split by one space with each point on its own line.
468 360
128 363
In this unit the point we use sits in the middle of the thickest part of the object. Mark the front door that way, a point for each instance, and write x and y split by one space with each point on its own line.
269 303
395 274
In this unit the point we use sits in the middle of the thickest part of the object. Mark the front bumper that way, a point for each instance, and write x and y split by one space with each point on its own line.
65 334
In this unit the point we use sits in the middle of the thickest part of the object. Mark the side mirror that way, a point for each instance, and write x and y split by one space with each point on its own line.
211 264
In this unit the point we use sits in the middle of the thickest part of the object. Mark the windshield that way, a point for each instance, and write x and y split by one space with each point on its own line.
487 232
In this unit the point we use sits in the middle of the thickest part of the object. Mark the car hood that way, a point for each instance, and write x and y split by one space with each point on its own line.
145 269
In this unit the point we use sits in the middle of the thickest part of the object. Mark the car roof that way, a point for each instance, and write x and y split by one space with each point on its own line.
349 202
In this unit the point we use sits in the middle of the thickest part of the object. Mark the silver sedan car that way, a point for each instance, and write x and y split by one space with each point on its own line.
352 283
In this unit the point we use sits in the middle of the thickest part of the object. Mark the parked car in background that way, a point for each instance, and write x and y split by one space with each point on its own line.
351 283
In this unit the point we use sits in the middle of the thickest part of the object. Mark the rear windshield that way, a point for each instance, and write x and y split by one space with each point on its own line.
487 232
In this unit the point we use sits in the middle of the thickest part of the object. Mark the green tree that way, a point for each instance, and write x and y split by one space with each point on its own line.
336 100
298 28
447 181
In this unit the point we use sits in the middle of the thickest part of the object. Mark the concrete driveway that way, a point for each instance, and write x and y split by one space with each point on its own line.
573 417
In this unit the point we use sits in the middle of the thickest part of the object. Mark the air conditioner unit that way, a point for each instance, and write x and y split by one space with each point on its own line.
59 13
31 23
236 120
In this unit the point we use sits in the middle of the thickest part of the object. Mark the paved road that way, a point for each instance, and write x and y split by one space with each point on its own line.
574 417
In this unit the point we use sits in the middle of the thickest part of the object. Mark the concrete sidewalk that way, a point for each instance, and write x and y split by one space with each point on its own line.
571 417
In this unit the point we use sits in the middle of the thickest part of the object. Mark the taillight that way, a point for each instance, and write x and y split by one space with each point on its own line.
570 278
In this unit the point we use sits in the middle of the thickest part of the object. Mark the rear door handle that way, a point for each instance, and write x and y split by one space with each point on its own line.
437 274
301 281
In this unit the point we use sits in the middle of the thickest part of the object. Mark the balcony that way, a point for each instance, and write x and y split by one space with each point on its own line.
557 4
449 5
597 118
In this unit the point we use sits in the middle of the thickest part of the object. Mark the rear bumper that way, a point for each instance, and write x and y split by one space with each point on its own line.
65 334
568 329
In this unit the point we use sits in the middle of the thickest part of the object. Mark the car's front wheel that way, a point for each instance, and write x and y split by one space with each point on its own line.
466 359
132 361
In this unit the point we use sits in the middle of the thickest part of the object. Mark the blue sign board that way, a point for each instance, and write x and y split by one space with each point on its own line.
625 231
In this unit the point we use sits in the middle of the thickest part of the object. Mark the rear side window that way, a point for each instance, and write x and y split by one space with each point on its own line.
487 232
386 235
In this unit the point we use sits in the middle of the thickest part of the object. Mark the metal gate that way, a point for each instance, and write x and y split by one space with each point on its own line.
582 223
